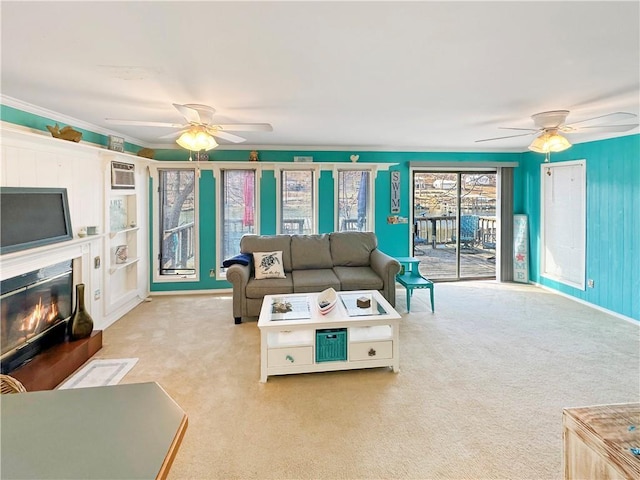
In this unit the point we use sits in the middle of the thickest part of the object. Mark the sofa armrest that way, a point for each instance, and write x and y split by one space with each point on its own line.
387 268
239 275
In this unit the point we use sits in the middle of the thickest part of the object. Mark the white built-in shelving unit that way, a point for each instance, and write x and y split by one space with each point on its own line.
124 245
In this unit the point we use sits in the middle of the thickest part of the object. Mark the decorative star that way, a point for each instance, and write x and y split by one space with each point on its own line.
520 257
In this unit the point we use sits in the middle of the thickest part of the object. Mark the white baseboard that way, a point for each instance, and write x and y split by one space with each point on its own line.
589 304
225 291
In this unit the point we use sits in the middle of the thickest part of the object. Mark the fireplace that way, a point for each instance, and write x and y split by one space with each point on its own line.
35 307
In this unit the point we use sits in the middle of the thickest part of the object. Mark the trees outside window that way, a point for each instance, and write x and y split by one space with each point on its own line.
177 201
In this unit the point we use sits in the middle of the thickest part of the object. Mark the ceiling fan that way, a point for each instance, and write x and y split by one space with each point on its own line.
198 131
550 124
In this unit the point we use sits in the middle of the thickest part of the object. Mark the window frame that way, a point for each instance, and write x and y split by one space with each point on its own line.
371 217
315 172
154 172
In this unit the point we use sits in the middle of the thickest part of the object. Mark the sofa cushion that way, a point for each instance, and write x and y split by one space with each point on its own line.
270 286
307 281
358 278
352 249
268 243
268 265
310 251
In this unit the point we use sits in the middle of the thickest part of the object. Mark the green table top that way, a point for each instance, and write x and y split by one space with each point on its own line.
115 432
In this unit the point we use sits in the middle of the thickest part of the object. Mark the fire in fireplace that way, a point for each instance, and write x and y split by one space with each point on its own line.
35 307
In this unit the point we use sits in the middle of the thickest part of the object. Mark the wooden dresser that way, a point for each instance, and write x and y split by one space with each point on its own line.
598 442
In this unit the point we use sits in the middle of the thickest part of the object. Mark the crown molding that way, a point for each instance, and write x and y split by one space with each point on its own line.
357 149
62 118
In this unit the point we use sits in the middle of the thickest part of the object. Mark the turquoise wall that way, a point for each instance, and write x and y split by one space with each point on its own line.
613 221
613 206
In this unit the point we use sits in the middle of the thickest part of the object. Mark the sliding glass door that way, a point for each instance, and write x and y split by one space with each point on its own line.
455 224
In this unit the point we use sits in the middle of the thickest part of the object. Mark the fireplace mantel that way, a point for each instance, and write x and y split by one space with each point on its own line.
17 263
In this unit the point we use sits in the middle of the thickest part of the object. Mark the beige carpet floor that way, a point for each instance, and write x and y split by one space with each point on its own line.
479 394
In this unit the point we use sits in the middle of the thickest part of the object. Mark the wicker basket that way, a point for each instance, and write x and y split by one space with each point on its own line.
10 385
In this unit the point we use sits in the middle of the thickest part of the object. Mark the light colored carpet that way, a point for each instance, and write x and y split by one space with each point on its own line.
99 373
479 394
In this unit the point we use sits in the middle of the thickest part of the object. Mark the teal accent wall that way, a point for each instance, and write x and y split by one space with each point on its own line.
613 221
326 190
268 203
207 215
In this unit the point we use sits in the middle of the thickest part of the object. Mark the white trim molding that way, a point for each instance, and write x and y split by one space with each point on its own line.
59 117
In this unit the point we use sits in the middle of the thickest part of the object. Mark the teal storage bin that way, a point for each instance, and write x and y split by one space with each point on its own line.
331 345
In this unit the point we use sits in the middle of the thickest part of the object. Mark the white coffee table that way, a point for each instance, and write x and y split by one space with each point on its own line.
289 342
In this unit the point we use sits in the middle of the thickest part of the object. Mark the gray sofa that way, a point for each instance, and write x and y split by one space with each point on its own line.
312 263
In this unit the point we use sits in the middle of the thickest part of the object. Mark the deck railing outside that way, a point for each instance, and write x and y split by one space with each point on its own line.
487 232
178 252
442 230
234 230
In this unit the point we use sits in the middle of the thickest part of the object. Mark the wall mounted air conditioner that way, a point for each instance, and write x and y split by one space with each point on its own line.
123 175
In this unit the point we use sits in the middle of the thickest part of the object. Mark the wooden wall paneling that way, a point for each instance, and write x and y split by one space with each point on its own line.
596 224
43 172
25 168
630 197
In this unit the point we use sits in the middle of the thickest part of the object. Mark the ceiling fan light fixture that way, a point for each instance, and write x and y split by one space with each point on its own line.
549 142
196 139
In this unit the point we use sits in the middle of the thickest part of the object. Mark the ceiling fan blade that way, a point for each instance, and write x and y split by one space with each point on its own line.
196 113
142 123
532 130
173 134
246 127
227 136
508 136
611 117
604 128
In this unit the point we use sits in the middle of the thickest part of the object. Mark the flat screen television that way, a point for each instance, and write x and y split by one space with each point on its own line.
31 217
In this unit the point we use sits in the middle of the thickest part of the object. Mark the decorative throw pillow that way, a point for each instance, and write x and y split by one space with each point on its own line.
268 265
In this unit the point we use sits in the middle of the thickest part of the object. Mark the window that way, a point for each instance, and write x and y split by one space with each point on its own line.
177 226
354 200
238 199
297 202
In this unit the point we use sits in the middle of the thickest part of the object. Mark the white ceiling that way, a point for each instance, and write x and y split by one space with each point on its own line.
432 76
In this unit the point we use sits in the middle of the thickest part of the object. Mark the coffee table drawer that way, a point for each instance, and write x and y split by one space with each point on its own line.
280 357
370 350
